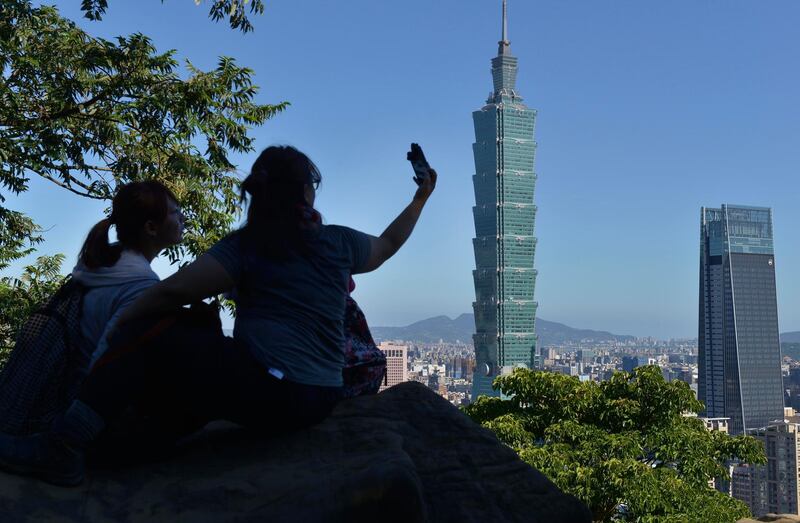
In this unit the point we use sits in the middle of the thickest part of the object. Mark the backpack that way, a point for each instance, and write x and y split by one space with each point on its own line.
364 363
46 366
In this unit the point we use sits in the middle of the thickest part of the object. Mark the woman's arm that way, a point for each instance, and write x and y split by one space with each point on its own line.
387 244
200 279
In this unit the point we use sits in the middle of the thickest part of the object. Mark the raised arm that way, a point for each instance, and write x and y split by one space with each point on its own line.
200 279
387 244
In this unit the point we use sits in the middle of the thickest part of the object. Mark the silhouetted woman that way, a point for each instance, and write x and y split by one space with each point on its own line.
40 380
289 274
147 220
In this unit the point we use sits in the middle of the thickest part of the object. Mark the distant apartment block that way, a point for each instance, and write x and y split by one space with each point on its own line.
749 485
504 215
586 356
547 357
792 385
719 425
739 354
396 364
771 488
631 362
460 368
716 424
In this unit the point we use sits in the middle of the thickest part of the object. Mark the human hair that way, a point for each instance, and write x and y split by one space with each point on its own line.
133 205
278 214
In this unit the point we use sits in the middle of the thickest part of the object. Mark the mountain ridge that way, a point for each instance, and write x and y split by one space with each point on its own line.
461 328
790 337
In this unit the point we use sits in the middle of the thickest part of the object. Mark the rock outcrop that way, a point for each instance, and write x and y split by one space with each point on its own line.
774 518
403 455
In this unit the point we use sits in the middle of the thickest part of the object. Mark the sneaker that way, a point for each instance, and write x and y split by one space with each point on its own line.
44 457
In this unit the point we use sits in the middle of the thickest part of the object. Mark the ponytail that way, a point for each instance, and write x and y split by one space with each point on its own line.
133 205
97 251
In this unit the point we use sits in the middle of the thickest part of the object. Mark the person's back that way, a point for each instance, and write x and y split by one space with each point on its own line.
290 272
108 291
290 312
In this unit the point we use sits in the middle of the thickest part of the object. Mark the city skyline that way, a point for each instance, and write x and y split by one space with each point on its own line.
645 109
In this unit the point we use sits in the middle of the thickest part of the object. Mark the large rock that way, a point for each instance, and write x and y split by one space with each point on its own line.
774 518
403 455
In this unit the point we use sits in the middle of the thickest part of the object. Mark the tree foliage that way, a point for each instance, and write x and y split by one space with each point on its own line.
234 10
18 235
89 114
626 447
19 297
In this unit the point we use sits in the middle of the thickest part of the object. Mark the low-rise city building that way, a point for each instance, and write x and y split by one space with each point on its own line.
772 488
396 363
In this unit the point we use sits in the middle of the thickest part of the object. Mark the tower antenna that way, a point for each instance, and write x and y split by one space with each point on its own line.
505 22
504 46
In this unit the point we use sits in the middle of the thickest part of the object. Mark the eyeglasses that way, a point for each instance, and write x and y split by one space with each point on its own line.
315 185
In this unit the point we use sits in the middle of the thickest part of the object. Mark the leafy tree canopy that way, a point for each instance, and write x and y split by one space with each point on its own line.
89 114
234 10
626 447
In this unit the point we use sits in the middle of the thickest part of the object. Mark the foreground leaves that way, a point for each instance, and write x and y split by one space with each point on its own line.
235 11
625 447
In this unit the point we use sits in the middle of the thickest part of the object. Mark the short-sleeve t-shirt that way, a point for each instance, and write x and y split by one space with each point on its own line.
290 313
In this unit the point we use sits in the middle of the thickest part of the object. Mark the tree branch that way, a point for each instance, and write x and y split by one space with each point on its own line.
77 108
69 187
66 185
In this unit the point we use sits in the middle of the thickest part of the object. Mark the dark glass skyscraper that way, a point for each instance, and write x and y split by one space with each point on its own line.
504 217
739 347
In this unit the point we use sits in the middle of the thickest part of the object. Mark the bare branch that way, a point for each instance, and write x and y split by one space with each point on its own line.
68 187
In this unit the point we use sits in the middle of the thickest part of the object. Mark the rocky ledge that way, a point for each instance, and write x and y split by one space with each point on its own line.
403 455
774 518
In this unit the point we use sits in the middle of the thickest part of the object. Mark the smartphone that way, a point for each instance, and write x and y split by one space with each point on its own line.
418 163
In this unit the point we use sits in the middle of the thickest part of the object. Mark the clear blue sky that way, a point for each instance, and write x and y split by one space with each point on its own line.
648 110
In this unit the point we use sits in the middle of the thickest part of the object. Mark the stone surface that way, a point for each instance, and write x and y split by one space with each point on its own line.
403 455
776 518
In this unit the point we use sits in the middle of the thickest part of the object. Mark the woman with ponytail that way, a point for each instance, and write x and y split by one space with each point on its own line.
282 371
62 339
147 220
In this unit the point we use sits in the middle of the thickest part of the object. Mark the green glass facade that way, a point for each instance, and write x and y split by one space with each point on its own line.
504 214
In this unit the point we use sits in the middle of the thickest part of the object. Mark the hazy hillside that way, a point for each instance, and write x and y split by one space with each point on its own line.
790 337
462 328
550 333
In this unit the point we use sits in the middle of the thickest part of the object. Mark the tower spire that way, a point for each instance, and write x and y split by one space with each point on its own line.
504 44
505 21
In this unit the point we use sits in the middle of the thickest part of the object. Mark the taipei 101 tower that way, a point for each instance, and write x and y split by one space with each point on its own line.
504 213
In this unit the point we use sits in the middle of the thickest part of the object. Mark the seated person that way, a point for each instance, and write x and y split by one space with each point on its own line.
283 369
147 219
111 276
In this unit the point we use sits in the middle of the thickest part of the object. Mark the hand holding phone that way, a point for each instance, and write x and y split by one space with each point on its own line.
422 170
